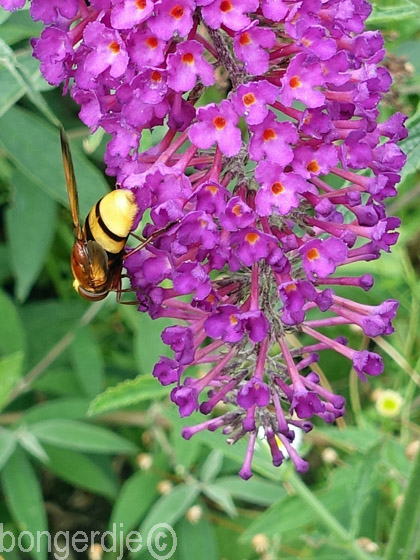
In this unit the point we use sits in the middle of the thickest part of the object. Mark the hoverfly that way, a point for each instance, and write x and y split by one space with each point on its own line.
98 252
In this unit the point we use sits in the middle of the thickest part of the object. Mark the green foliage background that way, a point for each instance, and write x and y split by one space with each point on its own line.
87 436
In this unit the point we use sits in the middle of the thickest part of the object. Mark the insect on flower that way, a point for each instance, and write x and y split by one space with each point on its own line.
98 252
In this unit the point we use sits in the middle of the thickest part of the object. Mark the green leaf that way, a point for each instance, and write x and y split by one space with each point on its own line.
12 334
195 539
170 507
24 498
10 374
133 391
388 14
148 344
352 438
19 26
24 79
220 496
7 446
30 443
34 147
255 491
411 145
4 15
136 497
362 494
88 363
30 225
211 466
72 434
83 470
73 409
186 451
11 90
290 515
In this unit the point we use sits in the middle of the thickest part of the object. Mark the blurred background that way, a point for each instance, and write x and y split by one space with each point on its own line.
89 440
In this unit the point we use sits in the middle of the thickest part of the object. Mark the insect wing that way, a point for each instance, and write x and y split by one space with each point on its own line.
98 263
70 182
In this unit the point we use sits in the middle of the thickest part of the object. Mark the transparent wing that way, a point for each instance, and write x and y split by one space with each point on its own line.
70 182
98 263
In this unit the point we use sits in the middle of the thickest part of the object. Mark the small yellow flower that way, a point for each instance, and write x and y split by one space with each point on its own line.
260 543
389 403
144 461
194 514
96 552
164 487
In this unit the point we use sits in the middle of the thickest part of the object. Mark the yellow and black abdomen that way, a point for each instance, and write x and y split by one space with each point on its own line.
110 221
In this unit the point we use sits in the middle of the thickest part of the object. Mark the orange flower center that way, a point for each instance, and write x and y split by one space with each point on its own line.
290 288
312 254
188 58
313 166
177 12
212 189
252 238
233 320
237 210
249 99
245 39
141 4
156 76
269 134
277 188
114 47
295 82
152 42
219 123
226 6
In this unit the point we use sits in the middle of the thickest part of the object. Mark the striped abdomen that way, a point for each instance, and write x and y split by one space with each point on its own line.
110 221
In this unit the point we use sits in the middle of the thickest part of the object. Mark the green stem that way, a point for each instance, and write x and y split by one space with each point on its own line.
326 518
405 529
26 382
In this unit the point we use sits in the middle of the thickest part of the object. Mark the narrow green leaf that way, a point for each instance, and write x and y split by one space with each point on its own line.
24 498
362 494
20 26
88 362
169 508
142 388
83 470
211 466
10 374
352 438
73 434
196 540
26 81
34 146
10 89
411 145
148 344
4 16
136 497
7 446
70 408
387 14
12 333
220 496
30 225
405 528
30 443
255 491
186 452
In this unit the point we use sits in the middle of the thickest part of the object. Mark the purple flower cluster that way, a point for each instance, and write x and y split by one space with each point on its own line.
255 226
